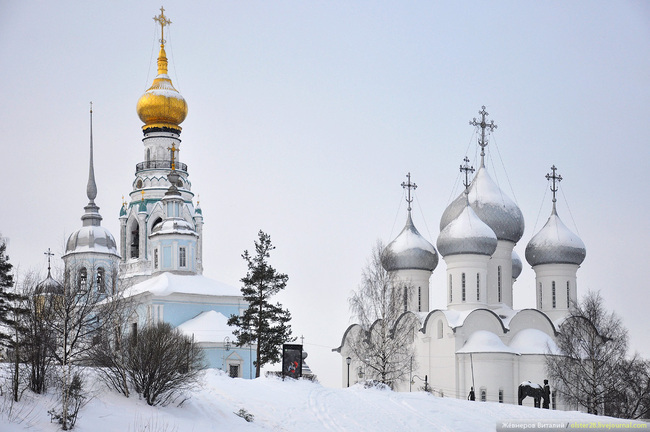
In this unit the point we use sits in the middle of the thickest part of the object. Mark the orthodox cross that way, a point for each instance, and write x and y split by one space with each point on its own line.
164 21
173 150
408 185
556 179
302 340
467 169
49 254
484 125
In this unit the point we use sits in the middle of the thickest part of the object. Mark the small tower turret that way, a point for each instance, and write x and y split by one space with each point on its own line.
555 253
411 259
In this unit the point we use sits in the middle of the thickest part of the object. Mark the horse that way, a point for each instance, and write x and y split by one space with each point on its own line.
528 388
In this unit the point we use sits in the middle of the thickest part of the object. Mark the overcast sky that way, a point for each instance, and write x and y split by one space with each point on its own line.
304 118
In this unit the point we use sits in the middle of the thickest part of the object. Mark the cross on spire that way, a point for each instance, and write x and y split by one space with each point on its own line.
555 181
408 185
173 150
467 169
49 254
484 125
163 21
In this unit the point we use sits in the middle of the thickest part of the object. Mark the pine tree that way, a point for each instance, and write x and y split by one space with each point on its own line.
12 316
263 323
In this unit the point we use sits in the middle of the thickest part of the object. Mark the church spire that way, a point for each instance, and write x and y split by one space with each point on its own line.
485 128
555 181
92 216
162 56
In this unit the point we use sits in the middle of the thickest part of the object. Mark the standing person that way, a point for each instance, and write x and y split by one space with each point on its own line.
546 397
471 395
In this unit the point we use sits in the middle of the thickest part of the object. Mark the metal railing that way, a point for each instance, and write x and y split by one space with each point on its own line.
160 164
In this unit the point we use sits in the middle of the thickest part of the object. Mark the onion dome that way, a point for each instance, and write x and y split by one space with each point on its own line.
49 286
467 234
555 244
162 106
409 250
491 205
517 266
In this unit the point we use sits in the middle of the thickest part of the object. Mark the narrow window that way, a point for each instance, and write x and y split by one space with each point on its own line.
463 286
134 332
148 156
100 280
451 297
553 293
135 240
540 296
155 258
233 371
568 295
478 286
419 299
83 279
500 395
483 394
553 395
406 299
440 329
499 283
182 258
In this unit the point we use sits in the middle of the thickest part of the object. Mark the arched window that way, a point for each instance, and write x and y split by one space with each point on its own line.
135 239
451 297
440 329
83 279
540 296
182 257
553 293
483 394
462 282
478 286
499 283
101 283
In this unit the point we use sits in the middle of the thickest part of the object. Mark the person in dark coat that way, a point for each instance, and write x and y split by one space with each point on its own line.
471 395
546 396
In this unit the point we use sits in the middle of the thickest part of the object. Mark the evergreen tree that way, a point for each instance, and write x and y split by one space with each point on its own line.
263 323
12 316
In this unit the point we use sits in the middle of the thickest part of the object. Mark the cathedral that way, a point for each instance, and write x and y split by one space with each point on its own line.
158 260
479 342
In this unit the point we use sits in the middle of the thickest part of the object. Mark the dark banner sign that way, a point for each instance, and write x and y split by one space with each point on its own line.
292 360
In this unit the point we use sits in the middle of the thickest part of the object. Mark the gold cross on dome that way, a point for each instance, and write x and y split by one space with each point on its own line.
173 150
164 21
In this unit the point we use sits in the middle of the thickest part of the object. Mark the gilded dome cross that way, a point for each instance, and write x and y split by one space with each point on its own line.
408 185
164 21
173 150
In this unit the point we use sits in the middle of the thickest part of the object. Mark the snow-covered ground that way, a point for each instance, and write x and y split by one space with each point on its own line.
282 406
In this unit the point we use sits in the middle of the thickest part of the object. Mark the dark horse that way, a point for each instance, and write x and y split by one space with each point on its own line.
528 388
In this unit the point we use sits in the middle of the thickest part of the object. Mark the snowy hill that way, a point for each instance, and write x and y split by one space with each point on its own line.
281 406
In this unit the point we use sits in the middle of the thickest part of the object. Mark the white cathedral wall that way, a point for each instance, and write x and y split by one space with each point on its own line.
435 356
418 280
473 267
502 258
561 274
492 372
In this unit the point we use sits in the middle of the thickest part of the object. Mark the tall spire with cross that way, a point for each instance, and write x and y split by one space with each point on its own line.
162 57
408 186
555 180
467 169
92 216
49 255
485 129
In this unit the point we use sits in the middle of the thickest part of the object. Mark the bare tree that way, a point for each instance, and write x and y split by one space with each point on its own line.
593 347
384 343
162 363
631 398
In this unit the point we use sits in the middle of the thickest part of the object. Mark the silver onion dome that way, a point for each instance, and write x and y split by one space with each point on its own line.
555 244
409 250
517 265
491 205
91 238
467 234
49 286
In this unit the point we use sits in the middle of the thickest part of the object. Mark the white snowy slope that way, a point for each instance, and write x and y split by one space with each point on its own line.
282 406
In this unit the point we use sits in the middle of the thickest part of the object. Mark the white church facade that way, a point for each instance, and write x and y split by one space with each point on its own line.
479 340
158 260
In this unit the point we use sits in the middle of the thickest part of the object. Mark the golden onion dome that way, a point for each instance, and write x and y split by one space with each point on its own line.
162 106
